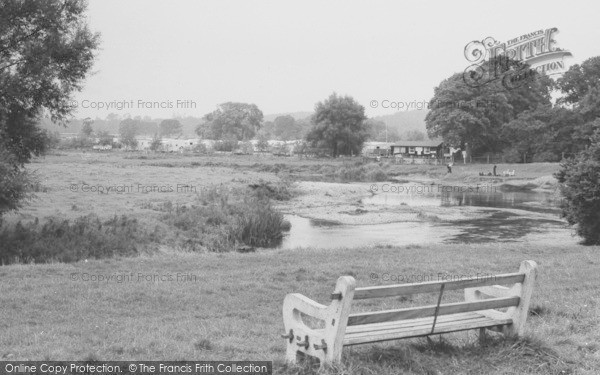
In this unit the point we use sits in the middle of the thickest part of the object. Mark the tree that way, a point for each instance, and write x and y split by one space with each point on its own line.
471 116
380 132
170 127
128 129
267 129
86 129
156 143
545 134
287 128
577 82
239 121
339 124
105 138
413 135
580 186
46 51
263 143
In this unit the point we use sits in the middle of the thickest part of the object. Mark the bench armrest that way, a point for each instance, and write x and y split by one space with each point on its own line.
296 303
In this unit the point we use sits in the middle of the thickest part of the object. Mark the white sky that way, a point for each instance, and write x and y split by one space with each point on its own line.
285 56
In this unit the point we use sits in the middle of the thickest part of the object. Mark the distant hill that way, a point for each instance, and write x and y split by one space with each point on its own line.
401 121
405 121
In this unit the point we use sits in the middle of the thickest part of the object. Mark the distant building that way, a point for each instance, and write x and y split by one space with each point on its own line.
168 144
418 149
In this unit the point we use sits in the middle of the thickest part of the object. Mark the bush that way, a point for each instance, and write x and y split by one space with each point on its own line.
200 148
349 174
579 180
257 223
279 191
360 172
227 145
246 148
76 143
546 156
59 240
14 182
512 156
377 175
220 223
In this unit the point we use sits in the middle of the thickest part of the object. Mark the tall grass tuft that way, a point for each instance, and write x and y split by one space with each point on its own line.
222 221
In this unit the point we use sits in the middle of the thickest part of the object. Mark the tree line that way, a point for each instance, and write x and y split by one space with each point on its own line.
520 121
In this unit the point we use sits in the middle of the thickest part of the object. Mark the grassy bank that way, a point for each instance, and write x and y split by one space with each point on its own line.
228 306
216 220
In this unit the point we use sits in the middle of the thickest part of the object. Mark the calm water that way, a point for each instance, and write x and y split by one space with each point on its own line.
506 220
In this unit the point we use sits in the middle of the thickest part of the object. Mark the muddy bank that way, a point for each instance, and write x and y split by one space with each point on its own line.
346 204
416 198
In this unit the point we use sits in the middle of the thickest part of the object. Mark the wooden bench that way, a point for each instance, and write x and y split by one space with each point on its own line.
483 296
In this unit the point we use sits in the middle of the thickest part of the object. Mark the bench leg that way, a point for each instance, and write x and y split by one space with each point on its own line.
335 325
482 337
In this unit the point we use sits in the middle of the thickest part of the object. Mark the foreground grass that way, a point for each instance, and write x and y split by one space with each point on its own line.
228 306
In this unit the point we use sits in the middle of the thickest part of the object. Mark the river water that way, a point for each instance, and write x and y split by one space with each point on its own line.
514 216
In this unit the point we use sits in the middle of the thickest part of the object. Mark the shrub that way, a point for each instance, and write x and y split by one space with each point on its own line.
201 148
512 155
579 180
227 145
279 191
377 175
257 223
65 241
546 156
221 223
360 172
246 148
349 173
14 182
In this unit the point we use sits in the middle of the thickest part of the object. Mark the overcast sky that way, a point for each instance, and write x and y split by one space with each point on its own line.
285 56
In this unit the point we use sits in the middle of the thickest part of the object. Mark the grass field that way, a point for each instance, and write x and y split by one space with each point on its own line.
228 306
176 305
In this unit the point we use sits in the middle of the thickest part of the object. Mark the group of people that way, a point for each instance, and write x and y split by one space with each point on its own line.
489 173
493 173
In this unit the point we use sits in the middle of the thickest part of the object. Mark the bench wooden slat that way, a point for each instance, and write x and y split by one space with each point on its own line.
420 312
403 332
434 286
413 322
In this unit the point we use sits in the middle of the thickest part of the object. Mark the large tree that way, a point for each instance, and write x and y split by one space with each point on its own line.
238 121
46 50
128 130
288 128
170 127
472 115
545 134
339 124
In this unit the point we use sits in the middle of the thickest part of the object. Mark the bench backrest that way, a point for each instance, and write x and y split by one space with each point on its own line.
510 299
434 286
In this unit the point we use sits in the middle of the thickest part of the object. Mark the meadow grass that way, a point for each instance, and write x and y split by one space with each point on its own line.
177 305
221 306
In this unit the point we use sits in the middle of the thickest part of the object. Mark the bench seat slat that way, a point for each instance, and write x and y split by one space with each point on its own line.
434 286
425 311
412 322
405 330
